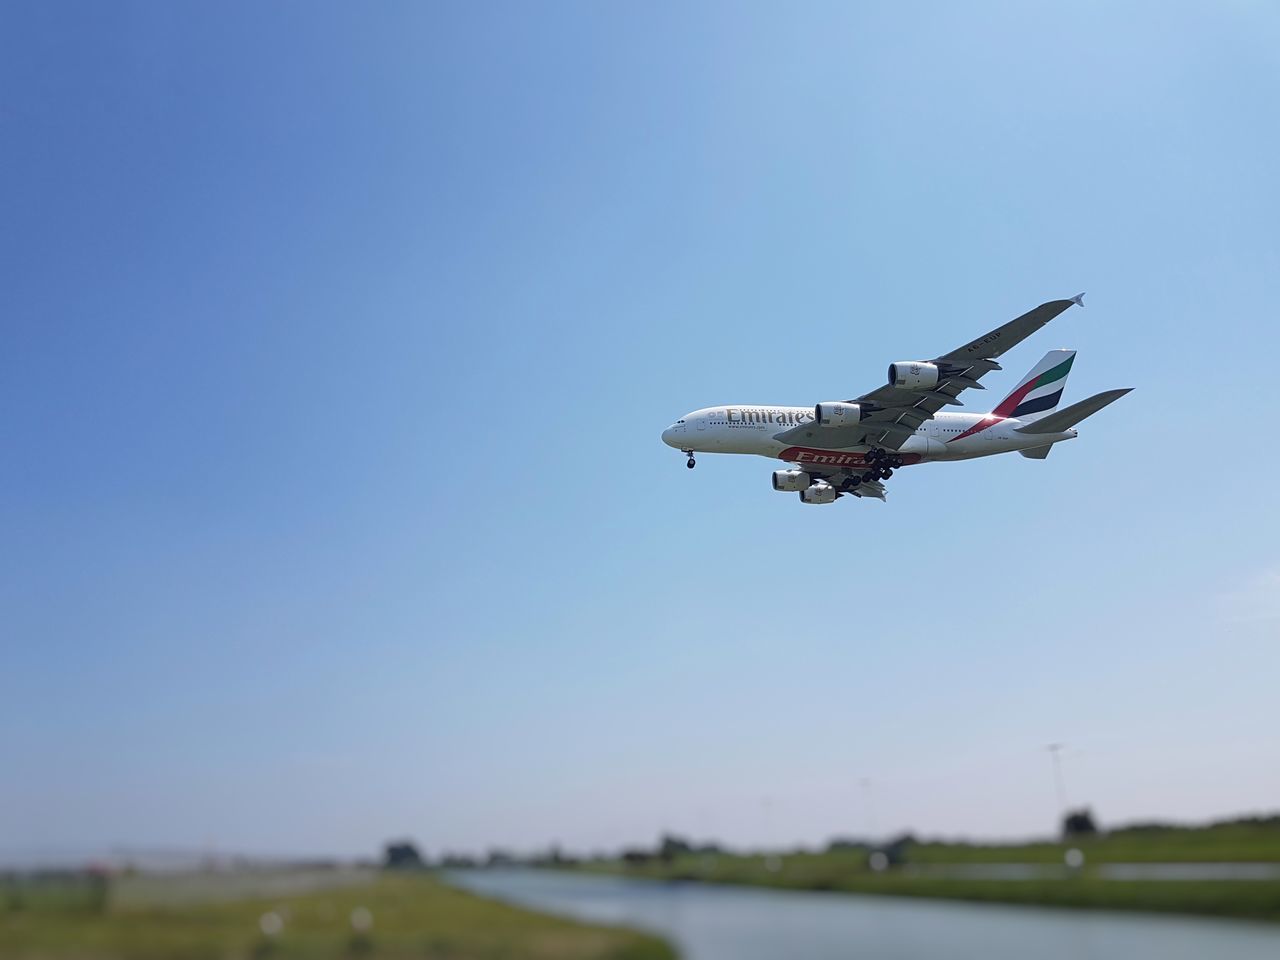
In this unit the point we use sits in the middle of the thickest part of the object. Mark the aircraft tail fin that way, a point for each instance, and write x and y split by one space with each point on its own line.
1040 390
1068 417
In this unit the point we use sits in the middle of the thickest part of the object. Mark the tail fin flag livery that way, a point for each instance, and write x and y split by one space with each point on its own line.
848 448
1040 390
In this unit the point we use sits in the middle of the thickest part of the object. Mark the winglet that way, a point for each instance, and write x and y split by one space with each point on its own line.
1078 299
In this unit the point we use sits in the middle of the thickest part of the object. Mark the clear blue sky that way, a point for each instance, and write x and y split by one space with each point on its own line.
337 345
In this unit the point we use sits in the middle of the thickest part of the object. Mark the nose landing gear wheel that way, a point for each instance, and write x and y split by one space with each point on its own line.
691 463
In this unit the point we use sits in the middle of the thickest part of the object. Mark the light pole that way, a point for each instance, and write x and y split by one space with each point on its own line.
1055 754
869 799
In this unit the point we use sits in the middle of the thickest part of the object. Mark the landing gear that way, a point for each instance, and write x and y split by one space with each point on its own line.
882 460
885 473
690 463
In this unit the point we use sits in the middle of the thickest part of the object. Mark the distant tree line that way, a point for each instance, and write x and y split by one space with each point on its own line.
402 855
668 848
1076 824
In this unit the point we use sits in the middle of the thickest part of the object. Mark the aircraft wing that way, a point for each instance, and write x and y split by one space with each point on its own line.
842 479
892 413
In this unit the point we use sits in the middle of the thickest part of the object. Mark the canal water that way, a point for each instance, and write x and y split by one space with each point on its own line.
713 922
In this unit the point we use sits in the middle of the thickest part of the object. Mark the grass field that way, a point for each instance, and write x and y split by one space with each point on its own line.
924 871
411 915
1232 842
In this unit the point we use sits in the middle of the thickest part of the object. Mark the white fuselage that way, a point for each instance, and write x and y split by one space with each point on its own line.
751 430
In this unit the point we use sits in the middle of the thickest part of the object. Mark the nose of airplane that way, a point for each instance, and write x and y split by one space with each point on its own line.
675 435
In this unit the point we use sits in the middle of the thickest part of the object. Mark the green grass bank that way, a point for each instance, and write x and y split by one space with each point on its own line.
409 915
956 870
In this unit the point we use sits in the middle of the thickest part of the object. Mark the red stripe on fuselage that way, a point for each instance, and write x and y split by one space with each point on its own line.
987 421
835 458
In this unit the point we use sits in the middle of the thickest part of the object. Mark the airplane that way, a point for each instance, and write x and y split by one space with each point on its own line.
850 447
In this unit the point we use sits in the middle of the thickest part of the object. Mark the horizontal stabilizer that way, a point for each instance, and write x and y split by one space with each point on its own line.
1037 453
1068 417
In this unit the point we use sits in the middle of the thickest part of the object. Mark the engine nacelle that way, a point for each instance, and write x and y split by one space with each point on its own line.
791 481
913 375
835 414
820 492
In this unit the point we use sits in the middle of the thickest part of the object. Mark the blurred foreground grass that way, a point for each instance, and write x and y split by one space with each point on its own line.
410 915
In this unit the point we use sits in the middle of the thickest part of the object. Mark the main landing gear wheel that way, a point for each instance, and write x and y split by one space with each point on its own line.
886 473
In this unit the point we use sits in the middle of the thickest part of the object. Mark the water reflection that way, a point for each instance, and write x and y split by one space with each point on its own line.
710 922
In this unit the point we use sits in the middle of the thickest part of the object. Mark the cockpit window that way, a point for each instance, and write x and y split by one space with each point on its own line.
679 421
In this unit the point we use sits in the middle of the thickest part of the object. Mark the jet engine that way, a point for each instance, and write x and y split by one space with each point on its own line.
820 492
913 375
837 414
790 481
